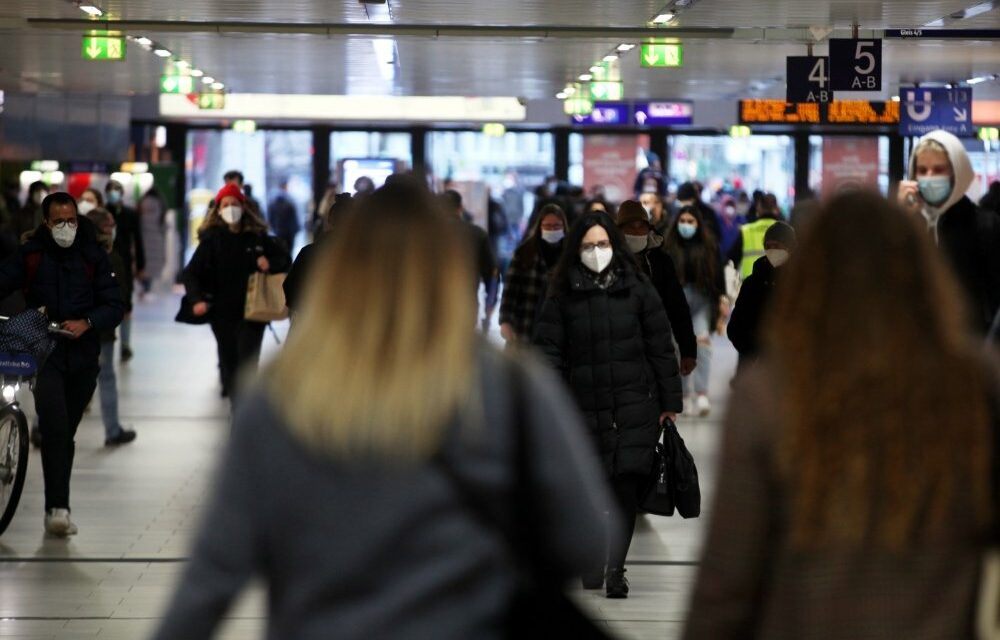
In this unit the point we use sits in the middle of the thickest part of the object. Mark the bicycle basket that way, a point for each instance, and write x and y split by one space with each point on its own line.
27 333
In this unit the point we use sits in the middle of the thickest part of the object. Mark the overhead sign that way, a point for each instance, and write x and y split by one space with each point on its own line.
104 48
578 106
211 101
840 112
926 110
607 90
808 79
661 114
177 84
944 34
855 65
604 114
657 56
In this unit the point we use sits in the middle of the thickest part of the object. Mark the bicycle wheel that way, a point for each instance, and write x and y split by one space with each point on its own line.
13 461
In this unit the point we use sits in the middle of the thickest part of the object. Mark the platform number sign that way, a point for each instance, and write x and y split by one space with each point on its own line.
809 79
855 65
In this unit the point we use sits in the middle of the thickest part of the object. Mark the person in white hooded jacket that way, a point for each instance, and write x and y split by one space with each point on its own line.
940 173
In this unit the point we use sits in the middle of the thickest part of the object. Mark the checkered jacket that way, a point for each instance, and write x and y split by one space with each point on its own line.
523 294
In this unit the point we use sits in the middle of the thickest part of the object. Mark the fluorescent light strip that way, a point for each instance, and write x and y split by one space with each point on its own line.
91 10
664 17
385 54
163 53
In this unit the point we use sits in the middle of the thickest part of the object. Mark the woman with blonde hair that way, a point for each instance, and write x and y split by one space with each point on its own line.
233 245
855 497
367 464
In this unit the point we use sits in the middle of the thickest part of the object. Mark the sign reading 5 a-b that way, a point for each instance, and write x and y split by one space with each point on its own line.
809 79
855 65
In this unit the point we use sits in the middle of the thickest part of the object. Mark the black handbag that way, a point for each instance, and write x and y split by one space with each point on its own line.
539 607
185 314
673 483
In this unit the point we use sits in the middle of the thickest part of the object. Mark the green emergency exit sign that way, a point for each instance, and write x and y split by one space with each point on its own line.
210 101
104 48
177 84
657 56
607 90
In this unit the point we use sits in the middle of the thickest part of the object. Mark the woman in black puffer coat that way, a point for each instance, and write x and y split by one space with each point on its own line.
605 328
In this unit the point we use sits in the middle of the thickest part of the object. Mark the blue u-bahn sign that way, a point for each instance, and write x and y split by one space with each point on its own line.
929 109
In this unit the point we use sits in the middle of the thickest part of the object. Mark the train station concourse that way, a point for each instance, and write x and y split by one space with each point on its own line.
239 397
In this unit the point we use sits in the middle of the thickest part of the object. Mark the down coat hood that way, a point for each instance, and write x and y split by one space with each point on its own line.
961 165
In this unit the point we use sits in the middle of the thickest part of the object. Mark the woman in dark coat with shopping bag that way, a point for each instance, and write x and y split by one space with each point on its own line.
605 329
233 245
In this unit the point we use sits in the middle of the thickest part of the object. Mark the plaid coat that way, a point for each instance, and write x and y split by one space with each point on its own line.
524 292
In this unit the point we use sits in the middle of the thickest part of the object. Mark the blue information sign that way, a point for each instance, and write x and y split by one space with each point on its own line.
661 114
605 114
925 110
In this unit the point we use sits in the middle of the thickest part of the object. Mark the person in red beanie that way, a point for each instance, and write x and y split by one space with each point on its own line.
233 244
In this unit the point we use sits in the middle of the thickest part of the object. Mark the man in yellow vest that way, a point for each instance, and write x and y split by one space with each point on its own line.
749 245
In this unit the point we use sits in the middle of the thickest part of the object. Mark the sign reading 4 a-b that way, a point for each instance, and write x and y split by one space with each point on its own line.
855 65
809 79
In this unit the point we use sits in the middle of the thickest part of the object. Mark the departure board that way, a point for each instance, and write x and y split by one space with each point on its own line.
858 112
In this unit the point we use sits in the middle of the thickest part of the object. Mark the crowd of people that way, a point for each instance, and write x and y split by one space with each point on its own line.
416 478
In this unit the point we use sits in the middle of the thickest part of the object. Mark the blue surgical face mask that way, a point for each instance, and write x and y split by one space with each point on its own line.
114 196
935 190
687 230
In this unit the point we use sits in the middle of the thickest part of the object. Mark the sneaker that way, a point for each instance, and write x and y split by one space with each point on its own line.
617 585
58 524
36 437
687 406
594 580
704 406
126 353
124 436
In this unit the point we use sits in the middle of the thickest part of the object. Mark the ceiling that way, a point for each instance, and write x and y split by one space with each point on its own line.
37 58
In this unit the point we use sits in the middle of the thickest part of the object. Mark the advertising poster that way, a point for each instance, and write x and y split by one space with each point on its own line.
611 161
849 163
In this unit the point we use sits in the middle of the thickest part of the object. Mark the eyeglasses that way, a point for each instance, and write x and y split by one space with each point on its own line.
590 246
65 223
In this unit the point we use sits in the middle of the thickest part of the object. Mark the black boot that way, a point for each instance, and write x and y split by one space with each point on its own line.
594 579
617 586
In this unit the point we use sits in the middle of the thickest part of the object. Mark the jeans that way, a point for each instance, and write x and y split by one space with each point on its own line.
60 399
126 331
701 318
239 346
108 387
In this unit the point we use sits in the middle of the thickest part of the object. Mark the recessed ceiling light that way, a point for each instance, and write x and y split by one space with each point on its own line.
611 57
979 80
595 68
664 18
163 53
569 90
626 47
586 77
197 73
144 41
181 64
895 98
208 80
561 95
218 86
91 10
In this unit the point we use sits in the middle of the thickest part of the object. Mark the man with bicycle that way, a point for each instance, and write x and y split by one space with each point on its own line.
62 268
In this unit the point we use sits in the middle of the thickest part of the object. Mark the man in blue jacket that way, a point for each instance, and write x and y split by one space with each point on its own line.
62 268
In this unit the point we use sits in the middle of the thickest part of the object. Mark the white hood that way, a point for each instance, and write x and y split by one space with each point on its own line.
960 164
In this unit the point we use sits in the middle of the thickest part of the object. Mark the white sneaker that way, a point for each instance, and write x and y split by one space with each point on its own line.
704 406
688 406
57 523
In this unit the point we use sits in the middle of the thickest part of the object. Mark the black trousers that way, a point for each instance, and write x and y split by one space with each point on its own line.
239 346
626 489
60 399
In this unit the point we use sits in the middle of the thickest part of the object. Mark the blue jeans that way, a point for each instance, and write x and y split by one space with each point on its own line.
108 385
701 318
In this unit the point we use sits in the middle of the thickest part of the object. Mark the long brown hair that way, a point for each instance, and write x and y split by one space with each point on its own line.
703 250
526 252
251 220
886 429
382 352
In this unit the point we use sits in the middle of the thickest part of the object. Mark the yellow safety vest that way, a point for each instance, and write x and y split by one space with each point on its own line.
753 244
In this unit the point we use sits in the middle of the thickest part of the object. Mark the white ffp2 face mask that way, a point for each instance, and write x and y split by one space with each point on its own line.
232 214
777 257
597 259
86 206
64 235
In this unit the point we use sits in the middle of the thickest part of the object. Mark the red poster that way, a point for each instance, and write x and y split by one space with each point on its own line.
610 161
849 163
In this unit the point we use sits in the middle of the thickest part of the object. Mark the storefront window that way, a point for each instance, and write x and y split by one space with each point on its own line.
507 169
726 165
848 162
267 159
354 154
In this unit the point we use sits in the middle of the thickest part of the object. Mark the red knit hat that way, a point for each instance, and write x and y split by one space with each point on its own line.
230 190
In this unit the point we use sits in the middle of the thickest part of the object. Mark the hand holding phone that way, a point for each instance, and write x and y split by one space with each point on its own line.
909 196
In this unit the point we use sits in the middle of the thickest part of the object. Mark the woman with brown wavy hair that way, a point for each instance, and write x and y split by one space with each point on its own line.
855 492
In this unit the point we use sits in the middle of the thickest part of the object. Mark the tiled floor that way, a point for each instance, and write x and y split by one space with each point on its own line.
136 507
